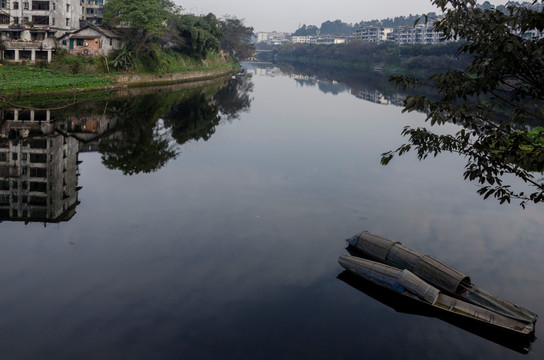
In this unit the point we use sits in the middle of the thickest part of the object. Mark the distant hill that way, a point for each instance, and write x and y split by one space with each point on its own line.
339 27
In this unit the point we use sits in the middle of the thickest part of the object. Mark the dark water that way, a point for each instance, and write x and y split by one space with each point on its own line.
206 224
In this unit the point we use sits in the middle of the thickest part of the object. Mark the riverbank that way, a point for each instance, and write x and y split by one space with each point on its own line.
20 80
419 61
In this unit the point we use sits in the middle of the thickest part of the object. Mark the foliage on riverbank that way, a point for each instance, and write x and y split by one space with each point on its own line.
70 73
413 60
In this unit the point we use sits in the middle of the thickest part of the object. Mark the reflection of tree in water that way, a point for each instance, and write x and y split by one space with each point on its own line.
193 119
234 97
137 146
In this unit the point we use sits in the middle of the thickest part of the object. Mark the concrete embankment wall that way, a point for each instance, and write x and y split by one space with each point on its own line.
156 79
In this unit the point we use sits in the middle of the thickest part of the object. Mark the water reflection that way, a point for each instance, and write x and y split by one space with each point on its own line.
369 86
38 168
135 132
403 304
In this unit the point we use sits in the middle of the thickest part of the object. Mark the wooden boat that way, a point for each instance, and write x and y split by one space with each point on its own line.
406 283
520 343
434 272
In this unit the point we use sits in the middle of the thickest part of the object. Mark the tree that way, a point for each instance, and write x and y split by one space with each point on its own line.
201 34
310 30
146 16
236 37
497 100
336 27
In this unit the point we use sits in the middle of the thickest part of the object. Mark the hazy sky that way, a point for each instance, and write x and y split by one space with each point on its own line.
287 15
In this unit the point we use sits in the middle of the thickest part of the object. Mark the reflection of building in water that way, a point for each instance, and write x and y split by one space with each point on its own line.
374 96
379 98
86 128
38 168
267 71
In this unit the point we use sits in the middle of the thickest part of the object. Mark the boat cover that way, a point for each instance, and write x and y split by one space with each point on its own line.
390 277
436 273
395 254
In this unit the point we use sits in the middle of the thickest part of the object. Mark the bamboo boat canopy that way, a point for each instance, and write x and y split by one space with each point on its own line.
436 273
424 266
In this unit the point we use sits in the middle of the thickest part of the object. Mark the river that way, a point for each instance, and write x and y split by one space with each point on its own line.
206 223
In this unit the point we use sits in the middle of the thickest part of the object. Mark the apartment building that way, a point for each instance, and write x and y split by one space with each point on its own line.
373 34
272 38
57 15
28 28
93 10
420 34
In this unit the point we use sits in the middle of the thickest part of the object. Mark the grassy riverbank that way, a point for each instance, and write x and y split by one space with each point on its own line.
28 79
74 73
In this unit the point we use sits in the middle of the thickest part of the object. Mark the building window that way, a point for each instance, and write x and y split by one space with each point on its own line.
15 5
64 42
16 20
67 7
40 5
14 156
4 4
53 21
79 42
67 22
25 6
40 20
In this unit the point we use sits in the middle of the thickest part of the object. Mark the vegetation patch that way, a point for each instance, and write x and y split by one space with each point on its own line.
31 79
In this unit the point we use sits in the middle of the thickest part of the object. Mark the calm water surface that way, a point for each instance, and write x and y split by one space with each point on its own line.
214 232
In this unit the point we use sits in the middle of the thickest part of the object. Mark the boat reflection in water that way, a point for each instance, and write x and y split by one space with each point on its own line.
400 303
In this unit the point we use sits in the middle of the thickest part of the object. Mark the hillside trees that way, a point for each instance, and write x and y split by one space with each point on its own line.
236 37
156 27
201 34
497 100
145 17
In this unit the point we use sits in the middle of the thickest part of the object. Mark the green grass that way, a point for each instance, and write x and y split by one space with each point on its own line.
69 72
27 79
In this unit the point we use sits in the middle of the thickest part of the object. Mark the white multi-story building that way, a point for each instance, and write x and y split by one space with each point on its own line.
420 34
304 39
373 34
28 28
56 15
273 37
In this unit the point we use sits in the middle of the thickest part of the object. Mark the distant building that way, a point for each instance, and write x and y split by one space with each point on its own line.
319 40
304 39
273 38
373 34
420 34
